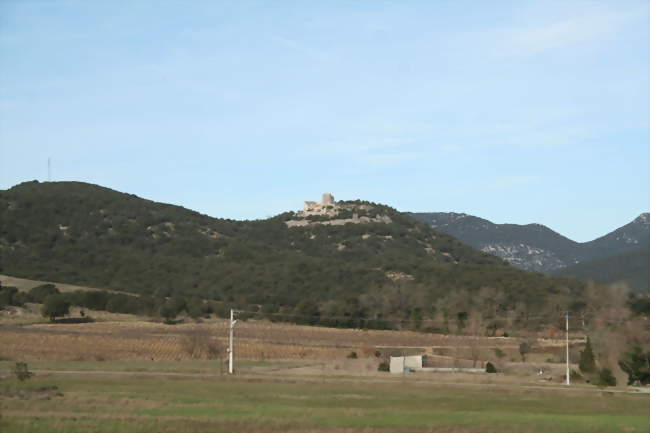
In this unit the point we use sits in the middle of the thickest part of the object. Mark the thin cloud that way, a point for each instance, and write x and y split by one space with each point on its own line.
568 32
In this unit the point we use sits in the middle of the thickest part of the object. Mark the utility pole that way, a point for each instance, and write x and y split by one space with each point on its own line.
231 345
49 177
568 373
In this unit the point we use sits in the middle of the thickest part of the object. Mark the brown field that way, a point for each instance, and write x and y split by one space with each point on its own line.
123 372
128 373
26 336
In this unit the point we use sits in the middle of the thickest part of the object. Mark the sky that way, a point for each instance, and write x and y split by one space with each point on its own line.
514 111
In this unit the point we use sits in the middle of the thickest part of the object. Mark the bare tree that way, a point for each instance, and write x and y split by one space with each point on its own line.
200 343
476 329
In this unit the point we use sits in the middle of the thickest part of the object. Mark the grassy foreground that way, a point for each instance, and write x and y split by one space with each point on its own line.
95 403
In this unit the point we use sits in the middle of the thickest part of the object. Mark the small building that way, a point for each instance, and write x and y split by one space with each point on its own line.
413 363
405 364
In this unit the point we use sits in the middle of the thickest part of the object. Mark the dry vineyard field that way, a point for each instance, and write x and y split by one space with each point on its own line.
126 373
115 337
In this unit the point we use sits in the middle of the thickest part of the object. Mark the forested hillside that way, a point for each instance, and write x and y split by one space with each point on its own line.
631 267
387 265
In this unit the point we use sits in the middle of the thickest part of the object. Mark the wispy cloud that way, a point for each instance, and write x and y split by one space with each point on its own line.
580 27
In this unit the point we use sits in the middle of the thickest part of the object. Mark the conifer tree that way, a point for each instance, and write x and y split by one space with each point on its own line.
587 360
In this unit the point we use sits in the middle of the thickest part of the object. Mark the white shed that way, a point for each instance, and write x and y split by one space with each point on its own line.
404 364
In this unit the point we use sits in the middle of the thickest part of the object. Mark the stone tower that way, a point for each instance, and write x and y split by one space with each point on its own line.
328 199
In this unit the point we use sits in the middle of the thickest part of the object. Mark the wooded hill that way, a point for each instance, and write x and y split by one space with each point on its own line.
397 268
631 267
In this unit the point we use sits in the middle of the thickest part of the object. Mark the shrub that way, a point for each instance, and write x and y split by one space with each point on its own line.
22 371
576 377
606 378
383 366
199 343
490 368
353 355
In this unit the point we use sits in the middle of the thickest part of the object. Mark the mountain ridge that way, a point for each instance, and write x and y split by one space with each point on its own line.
386 265
534 246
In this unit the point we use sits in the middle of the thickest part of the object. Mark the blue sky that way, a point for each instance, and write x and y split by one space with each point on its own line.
517 111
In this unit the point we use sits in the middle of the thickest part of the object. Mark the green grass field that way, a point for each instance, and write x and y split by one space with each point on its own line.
100 403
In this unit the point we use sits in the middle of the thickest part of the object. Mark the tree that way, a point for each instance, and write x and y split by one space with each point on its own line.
476 328
55 306
95 300
168 312
39 293
587 362
637 366
524 349
8 296
173 307
199 343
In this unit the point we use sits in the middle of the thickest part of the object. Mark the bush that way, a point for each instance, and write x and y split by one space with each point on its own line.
22 371
353 355
490 368
606 378
383 366
199 343
576 377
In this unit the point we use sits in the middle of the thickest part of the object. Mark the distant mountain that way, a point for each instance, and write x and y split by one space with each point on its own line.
631 267
536 247
533 247
632 235
344 259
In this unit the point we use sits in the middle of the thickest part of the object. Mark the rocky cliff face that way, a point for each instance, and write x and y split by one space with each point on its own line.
535 247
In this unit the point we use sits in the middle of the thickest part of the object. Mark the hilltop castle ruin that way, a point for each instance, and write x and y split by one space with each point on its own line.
327 201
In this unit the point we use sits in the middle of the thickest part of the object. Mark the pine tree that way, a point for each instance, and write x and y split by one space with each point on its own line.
587 361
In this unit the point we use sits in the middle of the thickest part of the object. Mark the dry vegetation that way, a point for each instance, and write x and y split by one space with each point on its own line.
119 337
292 379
